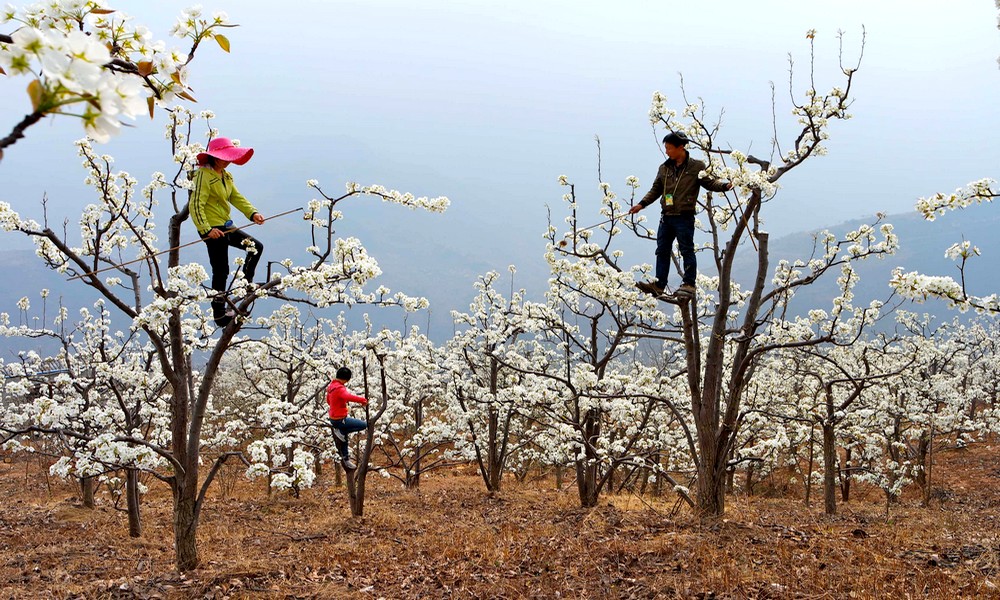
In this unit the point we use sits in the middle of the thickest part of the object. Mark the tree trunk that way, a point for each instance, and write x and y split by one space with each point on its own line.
559 477
712 472
493 451
894 453
645 474
522 474
587 471
658 481
356 478
87 491
829 468
494 448
586 483
920 477
411 480
132 500
830 454
809 470
927 462
715 404
711 492
413 476
185 525
355 492
845 477
186 418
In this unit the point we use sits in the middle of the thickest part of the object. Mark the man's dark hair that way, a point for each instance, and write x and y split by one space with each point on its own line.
344 373
676 138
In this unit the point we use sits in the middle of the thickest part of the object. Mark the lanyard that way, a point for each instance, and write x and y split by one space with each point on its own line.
678 171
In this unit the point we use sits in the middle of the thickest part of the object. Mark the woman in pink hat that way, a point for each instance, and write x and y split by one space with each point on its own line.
213 193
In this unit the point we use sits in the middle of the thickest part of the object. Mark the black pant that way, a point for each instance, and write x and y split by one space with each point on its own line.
218 258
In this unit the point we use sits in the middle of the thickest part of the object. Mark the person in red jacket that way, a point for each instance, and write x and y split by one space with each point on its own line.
337 397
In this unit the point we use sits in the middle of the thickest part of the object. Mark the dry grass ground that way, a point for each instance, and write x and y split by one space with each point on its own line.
451 540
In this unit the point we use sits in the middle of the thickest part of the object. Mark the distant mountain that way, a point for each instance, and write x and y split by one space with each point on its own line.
444 267
922 248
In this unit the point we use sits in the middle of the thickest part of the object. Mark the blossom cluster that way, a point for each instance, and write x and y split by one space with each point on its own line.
438 204
976 192
87 60
919 287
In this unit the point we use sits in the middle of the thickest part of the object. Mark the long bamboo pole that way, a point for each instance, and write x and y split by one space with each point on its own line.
118 266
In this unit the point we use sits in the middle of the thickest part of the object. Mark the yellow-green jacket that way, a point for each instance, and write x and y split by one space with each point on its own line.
211 197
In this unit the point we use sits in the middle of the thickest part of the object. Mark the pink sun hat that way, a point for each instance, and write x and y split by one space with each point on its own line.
223 149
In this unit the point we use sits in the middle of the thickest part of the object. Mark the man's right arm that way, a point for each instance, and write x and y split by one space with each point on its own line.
356 399
654 193
346 396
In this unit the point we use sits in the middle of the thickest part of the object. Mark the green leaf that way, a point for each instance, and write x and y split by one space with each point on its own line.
223 41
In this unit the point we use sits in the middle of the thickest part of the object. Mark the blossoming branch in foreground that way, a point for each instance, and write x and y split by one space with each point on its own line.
89 61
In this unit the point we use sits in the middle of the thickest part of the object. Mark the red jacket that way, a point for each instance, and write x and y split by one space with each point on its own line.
337 397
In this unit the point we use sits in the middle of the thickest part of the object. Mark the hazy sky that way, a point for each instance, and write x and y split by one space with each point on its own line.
489 102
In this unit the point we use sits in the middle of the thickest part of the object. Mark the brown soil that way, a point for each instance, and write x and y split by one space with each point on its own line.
450 539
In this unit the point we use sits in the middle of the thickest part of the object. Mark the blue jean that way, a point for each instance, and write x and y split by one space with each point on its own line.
680 228
347 425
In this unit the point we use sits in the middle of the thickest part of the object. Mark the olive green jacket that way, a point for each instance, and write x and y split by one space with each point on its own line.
682 184
211 196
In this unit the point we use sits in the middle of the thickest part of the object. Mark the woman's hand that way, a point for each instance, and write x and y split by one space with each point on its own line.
215 233
258 218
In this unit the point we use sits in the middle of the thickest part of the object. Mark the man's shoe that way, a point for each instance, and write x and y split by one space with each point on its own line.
349 464
650 288
339 435
686 289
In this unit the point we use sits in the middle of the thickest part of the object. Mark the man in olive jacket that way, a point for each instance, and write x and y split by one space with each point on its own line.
676 186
